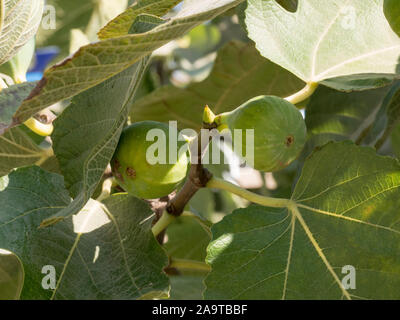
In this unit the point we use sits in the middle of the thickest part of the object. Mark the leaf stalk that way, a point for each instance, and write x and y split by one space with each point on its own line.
303 94
216 183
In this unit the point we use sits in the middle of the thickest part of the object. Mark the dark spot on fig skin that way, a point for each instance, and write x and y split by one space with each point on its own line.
289 141
131 172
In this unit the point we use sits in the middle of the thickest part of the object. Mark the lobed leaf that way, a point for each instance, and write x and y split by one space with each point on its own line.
344 214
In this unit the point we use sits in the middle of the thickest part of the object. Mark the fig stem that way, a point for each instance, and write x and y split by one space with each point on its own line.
303 94
162 223
216 183
189 265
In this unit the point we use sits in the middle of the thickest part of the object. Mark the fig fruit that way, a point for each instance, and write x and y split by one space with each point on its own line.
138 171
279 131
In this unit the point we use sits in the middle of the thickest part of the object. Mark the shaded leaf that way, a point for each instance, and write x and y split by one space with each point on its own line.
387 118
10 99
98 115
17 150
360 82
186 287
333 115
108 252
187 239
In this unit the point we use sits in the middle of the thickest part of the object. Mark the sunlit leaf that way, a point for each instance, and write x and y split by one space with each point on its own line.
344 217
325 39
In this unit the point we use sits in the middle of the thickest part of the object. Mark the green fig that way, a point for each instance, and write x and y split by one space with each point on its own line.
279 131
134 165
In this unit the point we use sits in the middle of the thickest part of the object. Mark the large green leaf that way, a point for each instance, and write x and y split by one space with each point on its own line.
107 251
121 25
98 115
239 74
325 39
17 149
19 20
344 213
102 60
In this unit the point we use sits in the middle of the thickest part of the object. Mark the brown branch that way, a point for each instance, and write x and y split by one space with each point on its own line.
158 206
197 178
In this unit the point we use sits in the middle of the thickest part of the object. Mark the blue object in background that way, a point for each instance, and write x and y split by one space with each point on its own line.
42 58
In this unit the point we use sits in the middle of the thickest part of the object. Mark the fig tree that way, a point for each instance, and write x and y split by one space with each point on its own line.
141 162
279 131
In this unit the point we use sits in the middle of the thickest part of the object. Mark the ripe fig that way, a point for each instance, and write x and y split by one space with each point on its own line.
136 164
279 131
